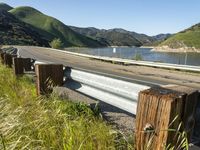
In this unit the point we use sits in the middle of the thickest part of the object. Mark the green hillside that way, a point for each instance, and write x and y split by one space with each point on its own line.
5 7
52 28
187 38
15 32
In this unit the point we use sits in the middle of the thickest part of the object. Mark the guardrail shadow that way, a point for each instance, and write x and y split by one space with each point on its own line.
104 107
68 81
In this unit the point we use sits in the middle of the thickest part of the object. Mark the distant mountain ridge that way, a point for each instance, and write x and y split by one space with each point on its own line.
116 37
143 38
162 37
119 37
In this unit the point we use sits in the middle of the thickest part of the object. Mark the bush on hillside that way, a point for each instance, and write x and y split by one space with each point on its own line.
57 44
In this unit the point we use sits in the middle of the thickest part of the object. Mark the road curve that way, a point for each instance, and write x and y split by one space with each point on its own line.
133 73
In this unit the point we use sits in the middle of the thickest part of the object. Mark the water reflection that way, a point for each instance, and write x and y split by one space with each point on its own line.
146 54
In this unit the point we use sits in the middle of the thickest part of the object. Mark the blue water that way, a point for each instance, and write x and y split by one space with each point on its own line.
146 54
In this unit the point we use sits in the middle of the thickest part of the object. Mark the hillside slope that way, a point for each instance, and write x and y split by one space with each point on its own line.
189 39
16 32
53 28
5 7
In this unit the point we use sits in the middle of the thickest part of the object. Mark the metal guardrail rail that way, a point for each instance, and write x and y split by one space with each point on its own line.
134 62
119 93
116 92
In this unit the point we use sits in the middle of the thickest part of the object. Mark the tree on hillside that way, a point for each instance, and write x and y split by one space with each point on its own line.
57 44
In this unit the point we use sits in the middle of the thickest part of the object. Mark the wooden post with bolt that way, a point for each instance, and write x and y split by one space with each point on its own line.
18 66
160 113
48 76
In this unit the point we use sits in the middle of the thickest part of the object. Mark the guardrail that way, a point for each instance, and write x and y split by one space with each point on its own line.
121 94
155 108
134 62
109 90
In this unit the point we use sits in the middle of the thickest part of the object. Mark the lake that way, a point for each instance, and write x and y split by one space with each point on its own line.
145 53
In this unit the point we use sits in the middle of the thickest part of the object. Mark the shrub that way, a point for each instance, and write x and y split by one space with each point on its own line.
57 44
138 56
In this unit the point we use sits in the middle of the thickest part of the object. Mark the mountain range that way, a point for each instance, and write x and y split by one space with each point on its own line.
28 26
119 37
50 28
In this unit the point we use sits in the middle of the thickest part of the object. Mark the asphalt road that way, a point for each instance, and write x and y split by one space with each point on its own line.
137 74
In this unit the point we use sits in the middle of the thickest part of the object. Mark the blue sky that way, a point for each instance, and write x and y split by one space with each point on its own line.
143 16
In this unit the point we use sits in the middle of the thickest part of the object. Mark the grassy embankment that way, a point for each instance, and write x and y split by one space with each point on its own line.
189 38
31 122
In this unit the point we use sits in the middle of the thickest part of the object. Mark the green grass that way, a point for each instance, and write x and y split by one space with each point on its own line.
31 122
187 38
52 28
138 57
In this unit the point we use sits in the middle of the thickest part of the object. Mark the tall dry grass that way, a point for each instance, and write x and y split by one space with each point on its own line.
40 123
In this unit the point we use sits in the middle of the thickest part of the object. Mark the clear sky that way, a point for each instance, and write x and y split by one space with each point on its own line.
143 16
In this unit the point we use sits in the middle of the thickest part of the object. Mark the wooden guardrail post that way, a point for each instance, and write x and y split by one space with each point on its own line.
18 66
8 60
48 76
2 58
159 112
196 132
27 64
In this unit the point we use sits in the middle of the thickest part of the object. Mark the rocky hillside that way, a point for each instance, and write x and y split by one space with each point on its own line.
16 32
5 7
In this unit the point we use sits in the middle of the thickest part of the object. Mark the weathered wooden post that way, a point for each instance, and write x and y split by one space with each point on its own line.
48 76
2 58
27 64
196 131
18 66
8 60
159 112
